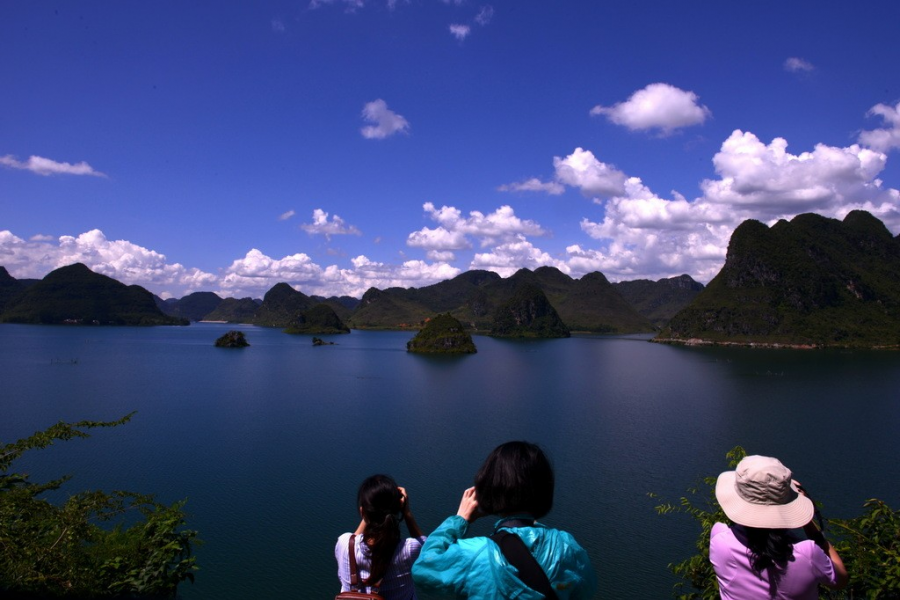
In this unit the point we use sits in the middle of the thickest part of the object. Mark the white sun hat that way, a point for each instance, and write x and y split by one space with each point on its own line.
760 493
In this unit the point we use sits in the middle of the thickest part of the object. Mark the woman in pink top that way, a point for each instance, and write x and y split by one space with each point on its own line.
761 556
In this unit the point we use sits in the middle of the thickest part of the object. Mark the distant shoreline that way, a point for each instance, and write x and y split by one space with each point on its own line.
770 345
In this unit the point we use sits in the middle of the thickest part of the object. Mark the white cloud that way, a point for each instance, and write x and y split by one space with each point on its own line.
657 106
286 215
485 14
322 226
798 65
46 166
438 239
119 259
594 178
887 138
278 26
516 254
349 5
460 32
554 188
774 183
384 121
256 273
454 231
644 235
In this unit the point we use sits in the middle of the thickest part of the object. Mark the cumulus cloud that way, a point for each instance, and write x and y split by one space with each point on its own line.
46 166
454 231
798 65
385 122
886 138
645 235
322 226
657 106
773 182
554 188
460 32
286 215
119 259
582 170
513 255
256 273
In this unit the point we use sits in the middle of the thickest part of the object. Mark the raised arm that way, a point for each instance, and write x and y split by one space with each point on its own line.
813 532
411 524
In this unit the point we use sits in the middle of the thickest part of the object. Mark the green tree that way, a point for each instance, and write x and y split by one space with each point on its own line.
868 544
82 547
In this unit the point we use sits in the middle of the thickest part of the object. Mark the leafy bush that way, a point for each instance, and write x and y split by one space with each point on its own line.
61 550
868 544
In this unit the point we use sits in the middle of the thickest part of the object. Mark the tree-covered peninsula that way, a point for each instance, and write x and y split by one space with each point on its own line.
810 282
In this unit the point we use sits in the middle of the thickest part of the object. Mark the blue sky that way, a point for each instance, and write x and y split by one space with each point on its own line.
339 145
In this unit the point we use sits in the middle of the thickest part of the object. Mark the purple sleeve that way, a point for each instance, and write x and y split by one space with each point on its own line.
822 565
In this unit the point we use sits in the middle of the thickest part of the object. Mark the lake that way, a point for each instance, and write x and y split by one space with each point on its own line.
270 443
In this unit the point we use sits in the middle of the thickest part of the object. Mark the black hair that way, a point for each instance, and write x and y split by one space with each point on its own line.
515 478
770 550
381 504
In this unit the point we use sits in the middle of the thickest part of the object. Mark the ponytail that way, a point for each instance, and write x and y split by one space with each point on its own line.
381 504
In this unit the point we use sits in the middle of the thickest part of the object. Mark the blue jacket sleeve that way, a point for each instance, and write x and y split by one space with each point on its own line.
443 563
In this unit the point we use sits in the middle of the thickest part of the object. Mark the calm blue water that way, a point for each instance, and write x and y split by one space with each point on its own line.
270 443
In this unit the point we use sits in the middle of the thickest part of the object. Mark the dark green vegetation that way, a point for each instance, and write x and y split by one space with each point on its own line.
443 334
281 305
193 307
320 319
49 550
528 314
659 300
232 339
234 310
589 304
868 544
75 294
812 281
9 288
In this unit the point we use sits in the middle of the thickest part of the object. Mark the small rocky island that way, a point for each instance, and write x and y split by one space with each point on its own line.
232 339
443 334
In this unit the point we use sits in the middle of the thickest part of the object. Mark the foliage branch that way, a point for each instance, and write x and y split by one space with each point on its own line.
50 550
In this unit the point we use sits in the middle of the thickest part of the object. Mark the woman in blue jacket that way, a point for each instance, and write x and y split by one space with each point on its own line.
515 483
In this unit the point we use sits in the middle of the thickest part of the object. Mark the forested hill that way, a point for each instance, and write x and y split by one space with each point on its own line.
75 294
659 300
589 304
811 281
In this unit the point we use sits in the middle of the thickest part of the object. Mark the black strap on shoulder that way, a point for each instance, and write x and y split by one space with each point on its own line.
530 572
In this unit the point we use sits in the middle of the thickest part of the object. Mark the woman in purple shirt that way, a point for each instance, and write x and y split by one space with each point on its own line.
760 555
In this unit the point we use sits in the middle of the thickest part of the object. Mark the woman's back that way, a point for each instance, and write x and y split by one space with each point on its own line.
397 583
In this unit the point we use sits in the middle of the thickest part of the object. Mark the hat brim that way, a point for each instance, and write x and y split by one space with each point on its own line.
792 515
